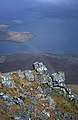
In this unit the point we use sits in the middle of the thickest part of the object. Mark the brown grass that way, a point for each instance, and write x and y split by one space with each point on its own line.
74 88
64 104
7 112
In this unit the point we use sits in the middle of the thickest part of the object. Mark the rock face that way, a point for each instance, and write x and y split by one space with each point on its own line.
58 77
39 67
8 99
7 81
21 74
31 91
29 75
55 81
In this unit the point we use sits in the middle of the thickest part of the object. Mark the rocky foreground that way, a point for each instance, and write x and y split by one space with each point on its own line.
36 95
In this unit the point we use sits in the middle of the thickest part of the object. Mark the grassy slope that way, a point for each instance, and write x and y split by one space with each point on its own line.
62 103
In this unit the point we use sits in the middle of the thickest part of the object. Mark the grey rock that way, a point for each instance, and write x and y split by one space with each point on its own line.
47 91
8 99
17 100
1 93
18 118
51 102
76 118
29 75
22 97
47 114
31 89
7 81
39 67
21 74
59 77
46 79
38 96
39 89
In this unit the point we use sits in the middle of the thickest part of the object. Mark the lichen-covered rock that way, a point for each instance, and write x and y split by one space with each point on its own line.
39 67
47 114
8 99
37 95
1 94
47 91
39 89
29 75
59 77
52 103
21 74
7 81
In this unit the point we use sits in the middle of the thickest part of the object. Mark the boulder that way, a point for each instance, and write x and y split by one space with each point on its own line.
7 81
8 99
1 94
47 114
29 75
39 67
39 89
21 74
51 102
58 77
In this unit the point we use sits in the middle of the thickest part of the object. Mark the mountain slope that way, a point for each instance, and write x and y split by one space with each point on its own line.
68 64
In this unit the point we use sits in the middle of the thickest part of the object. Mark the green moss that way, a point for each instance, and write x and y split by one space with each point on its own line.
34 83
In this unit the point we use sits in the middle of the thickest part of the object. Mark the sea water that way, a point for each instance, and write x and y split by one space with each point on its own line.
55 28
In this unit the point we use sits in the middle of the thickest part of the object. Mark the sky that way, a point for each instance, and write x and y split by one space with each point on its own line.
71 3
58 5
56 1
67 3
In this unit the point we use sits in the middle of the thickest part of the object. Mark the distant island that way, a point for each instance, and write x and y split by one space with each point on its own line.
18 36
6 34
18 21
3 26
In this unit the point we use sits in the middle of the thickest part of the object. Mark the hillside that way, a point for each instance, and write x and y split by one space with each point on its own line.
37 95
68 64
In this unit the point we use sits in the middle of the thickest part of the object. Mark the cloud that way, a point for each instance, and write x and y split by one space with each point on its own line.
51 1
57 1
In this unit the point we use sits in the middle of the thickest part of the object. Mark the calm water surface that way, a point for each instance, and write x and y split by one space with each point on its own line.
55 27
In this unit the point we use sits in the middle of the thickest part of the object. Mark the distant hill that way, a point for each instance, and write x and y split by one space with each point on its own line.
68 64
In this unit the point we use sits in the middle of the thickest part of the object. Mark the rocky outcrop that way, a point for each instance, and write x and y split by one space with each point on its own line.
29 75
7 81
39 67
32 90
56 81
